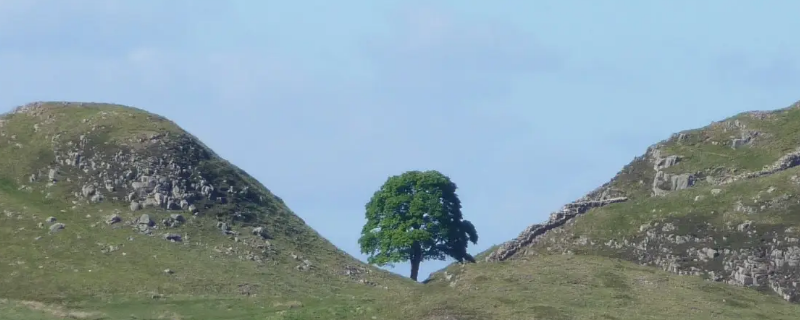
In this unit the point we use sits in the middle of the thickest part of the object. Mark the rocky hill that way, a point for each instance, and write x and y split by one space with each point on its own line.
110 212
98 200
719 202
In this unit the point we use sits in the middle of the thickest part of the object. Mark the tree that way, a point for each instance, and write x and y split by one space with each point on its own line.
416 216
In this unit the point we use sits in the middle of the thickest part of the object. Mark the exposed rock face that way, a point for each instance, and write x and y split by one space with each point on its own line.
154 170
663 182
768 259
746 137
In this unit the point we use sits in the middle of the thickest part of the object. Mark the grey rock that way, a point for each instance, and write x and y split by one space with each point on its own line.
135 205
57 227
96 198
223 226
112 219
52 174
709 253
746 137
737 143
145 220
744 226
667 162
682 181
174 220
663 182
173 237
150 202
261 231
88 190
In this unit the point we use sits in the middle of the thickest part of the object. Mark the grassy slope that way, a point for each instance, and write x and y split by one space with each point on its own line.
549 287
779 134
68 271
592 287
73 265
770 202
705 152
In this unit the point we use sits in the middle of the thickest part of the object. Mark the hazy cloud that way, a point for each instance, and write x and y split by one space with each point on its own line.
434 55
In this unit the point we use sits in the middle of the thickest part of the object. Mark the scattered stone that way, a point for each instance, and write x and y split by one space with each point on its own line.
304 266
112 219
52 174
57 227
135 205
744 226
144 224
261 231
173 237
50 219
174 220
145 220
225 228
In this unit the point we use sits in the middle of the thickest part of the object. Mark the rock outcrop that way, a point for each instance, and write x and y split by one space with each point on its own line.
763 258
159 169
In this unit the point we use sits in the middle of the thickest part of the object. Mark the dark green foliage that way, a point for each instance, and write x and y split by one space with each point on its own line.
414 217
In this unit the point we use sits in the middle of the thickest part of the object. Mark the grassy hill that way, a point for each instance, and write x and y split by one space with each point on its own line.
110 212
719 202
100 201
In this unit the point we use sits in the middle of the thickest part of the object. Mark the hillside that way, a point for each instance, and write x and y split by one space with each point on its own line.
719 202
110 212
98 201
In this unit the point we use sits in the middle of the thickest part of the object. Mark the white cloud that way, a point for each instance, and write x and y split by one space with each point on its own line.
433 54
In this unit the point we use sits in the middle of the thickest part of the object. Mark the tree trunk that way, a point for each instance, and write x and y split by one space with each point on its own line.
416 257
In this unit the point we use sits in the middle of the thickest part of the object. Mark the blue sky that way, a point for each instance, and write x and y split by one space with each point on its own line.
526 105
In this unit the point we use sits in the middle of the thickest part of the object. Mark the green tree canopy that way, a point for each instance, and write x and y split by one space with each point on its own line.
416 216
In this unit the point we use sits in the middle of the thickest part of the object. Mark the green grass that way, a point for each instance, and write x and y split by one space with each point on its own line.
590 287
624 219
548 287
779 134
27 310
